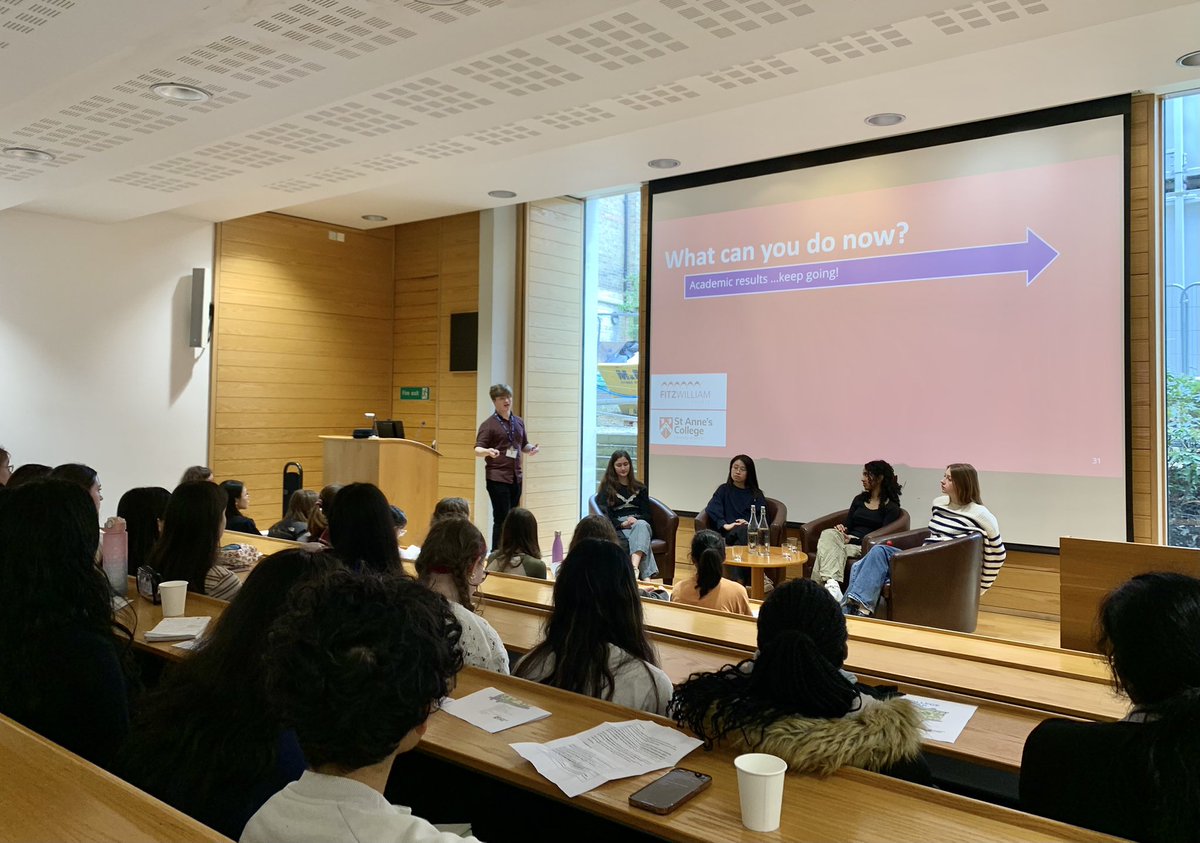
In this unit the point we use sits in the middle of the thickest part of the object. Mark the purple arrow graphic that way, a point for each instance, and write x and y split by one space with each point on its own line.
1031 257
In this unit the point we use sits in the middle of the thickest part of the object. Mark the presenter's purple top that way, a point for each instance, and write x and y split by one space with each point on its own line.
502 434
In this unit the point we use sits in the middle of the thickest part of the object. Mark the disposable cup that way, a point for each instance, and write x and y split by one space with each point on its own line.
173 594
760 787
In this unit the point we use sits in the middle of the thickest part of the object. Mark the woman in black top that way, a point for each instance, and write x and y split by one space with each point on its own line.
143 510
626 502
1139 777
239 499
878 504
62 670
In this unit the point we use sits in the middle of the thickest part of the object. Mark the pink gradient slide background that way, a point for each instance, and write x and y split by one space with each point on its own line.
981 369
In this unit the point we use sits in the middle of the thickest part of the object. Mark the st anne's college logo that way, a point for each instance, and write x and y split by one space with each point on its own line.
664 426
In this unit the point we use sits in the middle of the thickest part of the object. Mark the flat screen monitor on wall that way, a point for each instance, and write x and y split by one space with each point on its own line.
957 296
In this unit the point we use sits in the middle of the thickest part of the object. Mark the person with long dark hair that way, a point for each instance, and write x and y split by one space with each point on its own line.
83 476
452 562
362 530
626 502
1140 776
595 641
709 589
793 700
27 473
238 501
519 552
294 524
143 509
878 504
958 511
207 741
187 549
63 672
318 519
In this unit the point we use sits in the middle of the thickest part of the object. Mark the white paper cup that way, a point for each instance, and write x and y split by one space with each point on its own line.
173 594
760 787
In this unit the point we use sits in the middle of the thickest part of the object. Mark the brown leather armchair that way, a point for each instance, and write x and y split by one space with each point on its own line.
665 524
810 534
776 515
936 584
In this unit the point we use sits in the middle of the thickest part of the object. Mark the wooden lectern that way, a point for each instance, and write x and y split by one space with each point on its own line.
406 471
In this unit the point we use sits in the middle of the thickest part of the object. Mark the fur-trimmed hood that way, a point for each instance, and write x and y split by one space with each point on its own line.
883 734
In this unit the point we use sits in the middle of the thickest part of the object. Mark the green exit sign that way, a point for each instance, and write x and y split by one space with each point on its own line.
414 393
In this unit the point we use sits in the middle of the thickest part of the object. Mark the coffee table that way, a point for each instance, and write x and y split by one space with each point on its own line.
758 565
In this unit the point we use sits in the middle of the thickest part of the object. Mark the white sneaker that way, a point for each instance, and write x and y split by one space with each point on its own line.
834 588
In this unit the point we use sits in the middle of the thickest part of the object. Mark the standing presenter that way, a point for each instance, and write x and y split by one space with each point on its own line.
501 441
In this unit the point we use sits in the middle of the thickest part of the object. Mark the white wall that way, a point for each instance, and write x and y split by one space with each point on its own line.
94 359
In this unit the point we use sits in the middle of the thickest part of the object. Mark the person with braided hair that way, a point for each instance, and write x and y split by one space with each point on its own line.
793 700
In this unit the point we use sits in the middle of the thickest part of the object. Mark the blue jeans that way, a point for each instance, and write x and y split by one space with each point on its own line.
638 537
869 575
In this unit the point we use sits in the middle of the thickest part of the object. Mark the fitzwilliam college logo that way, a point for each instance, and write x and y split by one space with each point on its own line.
664 426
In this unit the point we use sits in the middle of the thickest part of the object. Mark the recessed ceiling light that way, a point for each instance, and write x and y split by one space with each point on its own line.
374 218
180 93
502 194
663 163
884 119
1191 59
28 153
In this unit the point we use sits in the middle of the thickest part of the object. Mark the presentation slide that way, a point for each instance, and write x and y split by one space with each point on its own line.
957 303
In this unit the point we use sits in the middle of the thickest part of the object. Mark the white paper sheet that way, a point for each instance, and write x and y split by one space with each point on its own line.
610 751
944 721
178 629
493 710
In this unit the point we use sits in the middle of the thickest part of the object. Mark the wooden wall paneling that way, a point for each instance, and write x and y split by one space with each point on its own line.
552 318
302 346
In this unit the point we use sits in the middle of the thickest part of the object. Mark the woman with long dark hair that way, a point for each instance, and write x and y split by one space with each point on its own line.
294 524
596 640
143 510
878 504
793 699
729 508
362 530
318 519
626 502
206 740
239 500
709 589
83 476
187 549
1139 777
63 673
452 563
519 552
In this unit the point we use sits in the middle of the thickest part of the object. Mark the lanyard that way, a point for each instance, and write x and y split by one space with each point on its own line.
508 428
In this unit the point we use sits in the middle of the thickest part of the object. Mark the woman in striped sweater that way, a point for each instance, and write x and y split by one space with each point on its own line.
958 511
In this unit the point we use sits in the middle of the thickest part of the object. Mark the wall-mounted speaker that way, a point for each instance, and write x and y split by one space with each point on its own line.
196 321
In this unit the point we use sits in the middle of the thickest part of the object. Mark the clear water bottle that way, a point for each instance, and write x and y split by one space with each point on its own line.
752 532
764 532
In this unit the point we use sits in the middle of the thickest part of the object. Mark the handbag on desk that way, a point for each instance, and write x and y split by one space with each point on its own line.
147 583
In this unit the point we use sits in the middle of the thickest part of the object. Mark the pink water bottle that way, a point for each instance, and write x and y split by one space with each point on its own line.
114 555
556 552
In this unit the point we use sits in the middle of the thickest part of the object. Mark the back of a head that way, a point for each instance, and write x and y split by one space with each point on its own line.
593 527
519 534
452 546
355 664
300 505
191 533
318 519
233 491
142 508
361 528
708 555
27 473
81 475
194 473
447 507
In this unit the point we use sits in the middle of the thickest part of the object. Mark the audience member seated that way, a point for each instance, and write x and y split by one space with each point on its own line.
194 473
878 504
708 588
519 552
239 499
452 563
62 670
595 641
626 502
187 549
729 508
318 520
6 468
1139 777
294 525
793 700
27 472
450 506
355 667
83 476
206 740
399 521
591 527
143 509
362 530
958 511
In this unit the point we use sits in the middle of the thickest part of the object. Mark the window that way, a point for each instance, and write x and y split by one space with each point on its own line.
1181 308
612 251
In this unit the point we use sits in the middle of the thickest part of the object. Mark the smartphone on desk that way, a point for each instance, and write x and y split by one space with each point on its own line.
669 791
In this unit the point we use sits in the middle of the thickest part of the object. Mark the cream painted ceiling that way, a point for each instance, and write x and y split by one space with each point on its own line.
331 109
